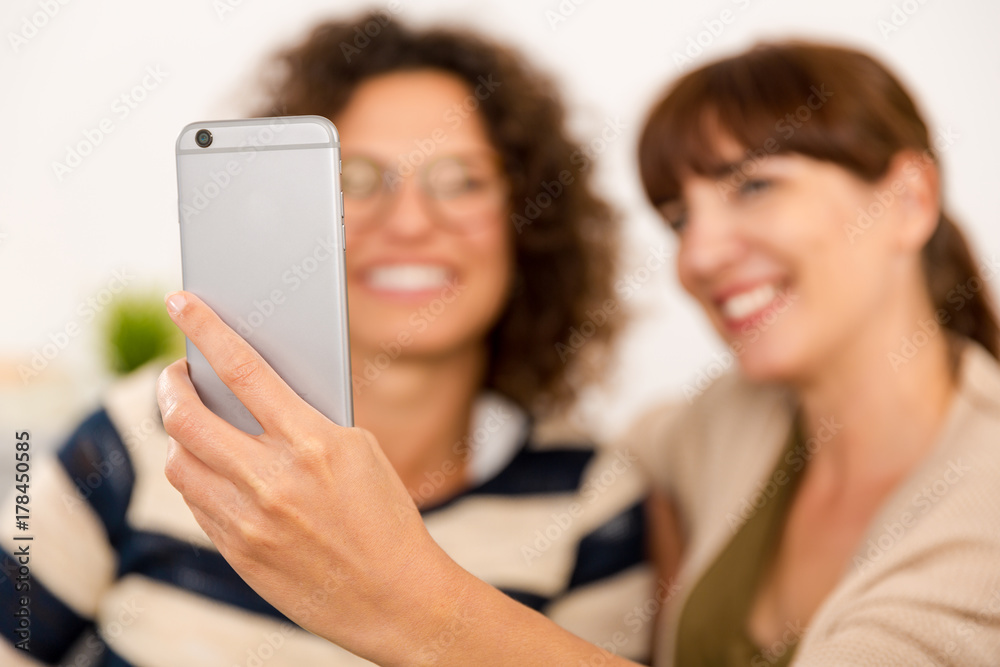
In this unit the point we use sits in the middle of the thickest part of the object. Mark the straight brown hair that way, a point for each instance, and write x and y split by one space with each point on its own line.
826 102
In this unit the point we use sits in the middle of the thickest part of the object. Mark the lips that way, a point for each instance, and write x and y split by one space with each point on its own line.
744 305
407 278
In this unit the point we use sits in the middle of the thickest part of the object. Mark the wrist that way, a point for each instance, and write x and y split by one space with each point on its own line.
422 610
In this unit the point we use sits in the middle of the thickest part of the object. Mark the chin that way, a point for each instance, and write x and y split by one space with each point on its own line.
412 338
768 363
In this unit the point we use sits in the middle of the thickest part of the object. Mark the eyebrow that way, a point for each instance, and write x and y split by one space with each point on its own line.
726 169
718 172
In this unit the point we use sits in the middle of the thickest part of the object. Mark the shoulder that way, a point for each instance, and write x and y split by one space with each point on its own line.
979 378
927 571
927 574
967 456
678 439
99 456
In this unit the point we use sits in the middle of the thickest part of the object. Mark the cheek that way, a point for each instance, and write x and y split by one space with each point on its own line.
356 245
803 238
838 278
489 256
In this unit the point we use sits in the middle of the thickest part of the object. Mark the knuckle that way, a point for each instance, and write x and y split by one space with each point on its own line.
268 501
255 537
163 382
257 531
315 454
309 447
167 382
242 369
178 419
195 325
173 467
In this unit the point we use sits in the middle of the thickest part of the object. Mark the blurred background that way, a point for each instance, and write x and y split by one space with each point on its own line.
95 93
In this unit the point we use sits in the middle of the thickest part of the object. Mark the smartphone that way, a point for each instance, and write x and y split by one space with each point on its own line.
262 242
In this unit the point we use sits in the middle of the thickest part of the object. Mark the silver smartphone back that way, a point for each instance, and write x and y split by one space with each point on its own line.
262 243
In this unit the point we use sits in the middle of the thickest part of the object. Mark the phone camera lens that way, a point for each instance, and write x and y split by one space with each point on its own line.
203 138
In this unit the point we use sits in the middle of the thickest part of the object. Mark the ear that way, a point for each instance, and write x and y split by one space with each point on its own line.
913 177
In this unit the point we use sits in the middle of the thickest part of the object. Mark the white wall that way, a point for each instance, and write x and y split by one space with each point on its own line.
61 240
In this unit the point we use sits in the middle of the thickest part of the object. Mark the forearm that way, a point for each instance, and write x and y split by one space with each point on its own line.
504 632
363 572
453 618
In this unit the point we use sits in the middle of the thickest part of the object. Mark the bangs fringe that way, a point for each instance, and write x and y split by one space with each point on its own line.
777 99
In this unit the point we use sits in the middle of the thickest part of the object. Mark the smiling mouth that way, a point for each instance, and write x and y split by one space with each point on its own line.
747 306
412 278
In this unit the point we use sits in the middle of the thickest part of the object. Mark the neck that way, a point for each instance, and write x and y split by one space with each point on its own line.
883 403
418 408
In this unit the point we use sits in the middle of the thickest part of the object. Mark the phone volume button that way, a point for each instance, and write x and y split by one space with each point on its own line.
343 238
341 207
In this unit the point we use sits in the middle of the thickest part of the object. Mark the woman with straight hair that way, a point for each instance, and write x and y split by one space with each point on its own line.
836 497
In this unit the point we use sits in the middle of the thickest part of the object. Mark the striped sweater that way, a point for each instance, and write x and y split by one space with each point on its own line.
556 525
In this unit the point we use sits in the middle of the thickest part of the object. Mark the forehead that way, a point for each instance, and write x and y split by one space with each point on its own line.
419 110
725 148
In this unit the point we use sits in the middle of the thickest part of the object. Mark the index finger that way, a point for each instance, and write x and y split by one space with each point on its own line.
240 367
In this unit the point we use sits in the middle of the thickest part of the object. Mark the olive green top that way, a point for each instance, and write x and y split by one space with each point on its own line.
712 629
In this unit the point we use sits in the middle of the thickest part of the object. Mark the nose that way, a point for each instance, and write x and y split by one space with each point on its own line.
711 240
407 214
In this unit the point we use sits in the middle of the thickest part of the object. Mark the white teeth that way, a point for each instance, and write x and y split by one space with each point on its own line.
408 277
747 303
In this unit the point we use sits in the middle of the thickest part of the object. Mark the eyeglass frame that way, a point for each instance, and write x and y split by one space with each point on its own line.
390 180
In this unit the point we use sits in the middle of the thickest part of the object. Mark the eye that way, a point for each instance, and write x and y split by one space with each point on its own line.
451 177
360 178
447 178
675 214
754 186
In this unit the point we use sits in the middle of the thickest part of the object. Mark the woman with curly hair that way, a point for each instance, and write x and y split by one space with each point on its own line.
475 248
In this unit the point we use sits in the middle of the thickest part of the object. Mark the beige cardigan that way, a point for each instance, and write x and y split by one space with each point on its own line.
924 585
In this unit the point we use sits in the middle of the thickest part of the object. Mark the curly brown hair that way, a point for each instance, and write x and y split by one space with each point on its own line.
556 329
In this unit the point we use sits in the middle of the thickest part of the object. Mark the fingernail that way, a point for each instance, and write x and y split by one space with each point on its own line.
175 303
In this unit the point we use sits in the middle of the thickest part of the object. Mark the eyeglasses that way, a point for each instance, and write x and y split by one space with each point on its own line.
462 190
